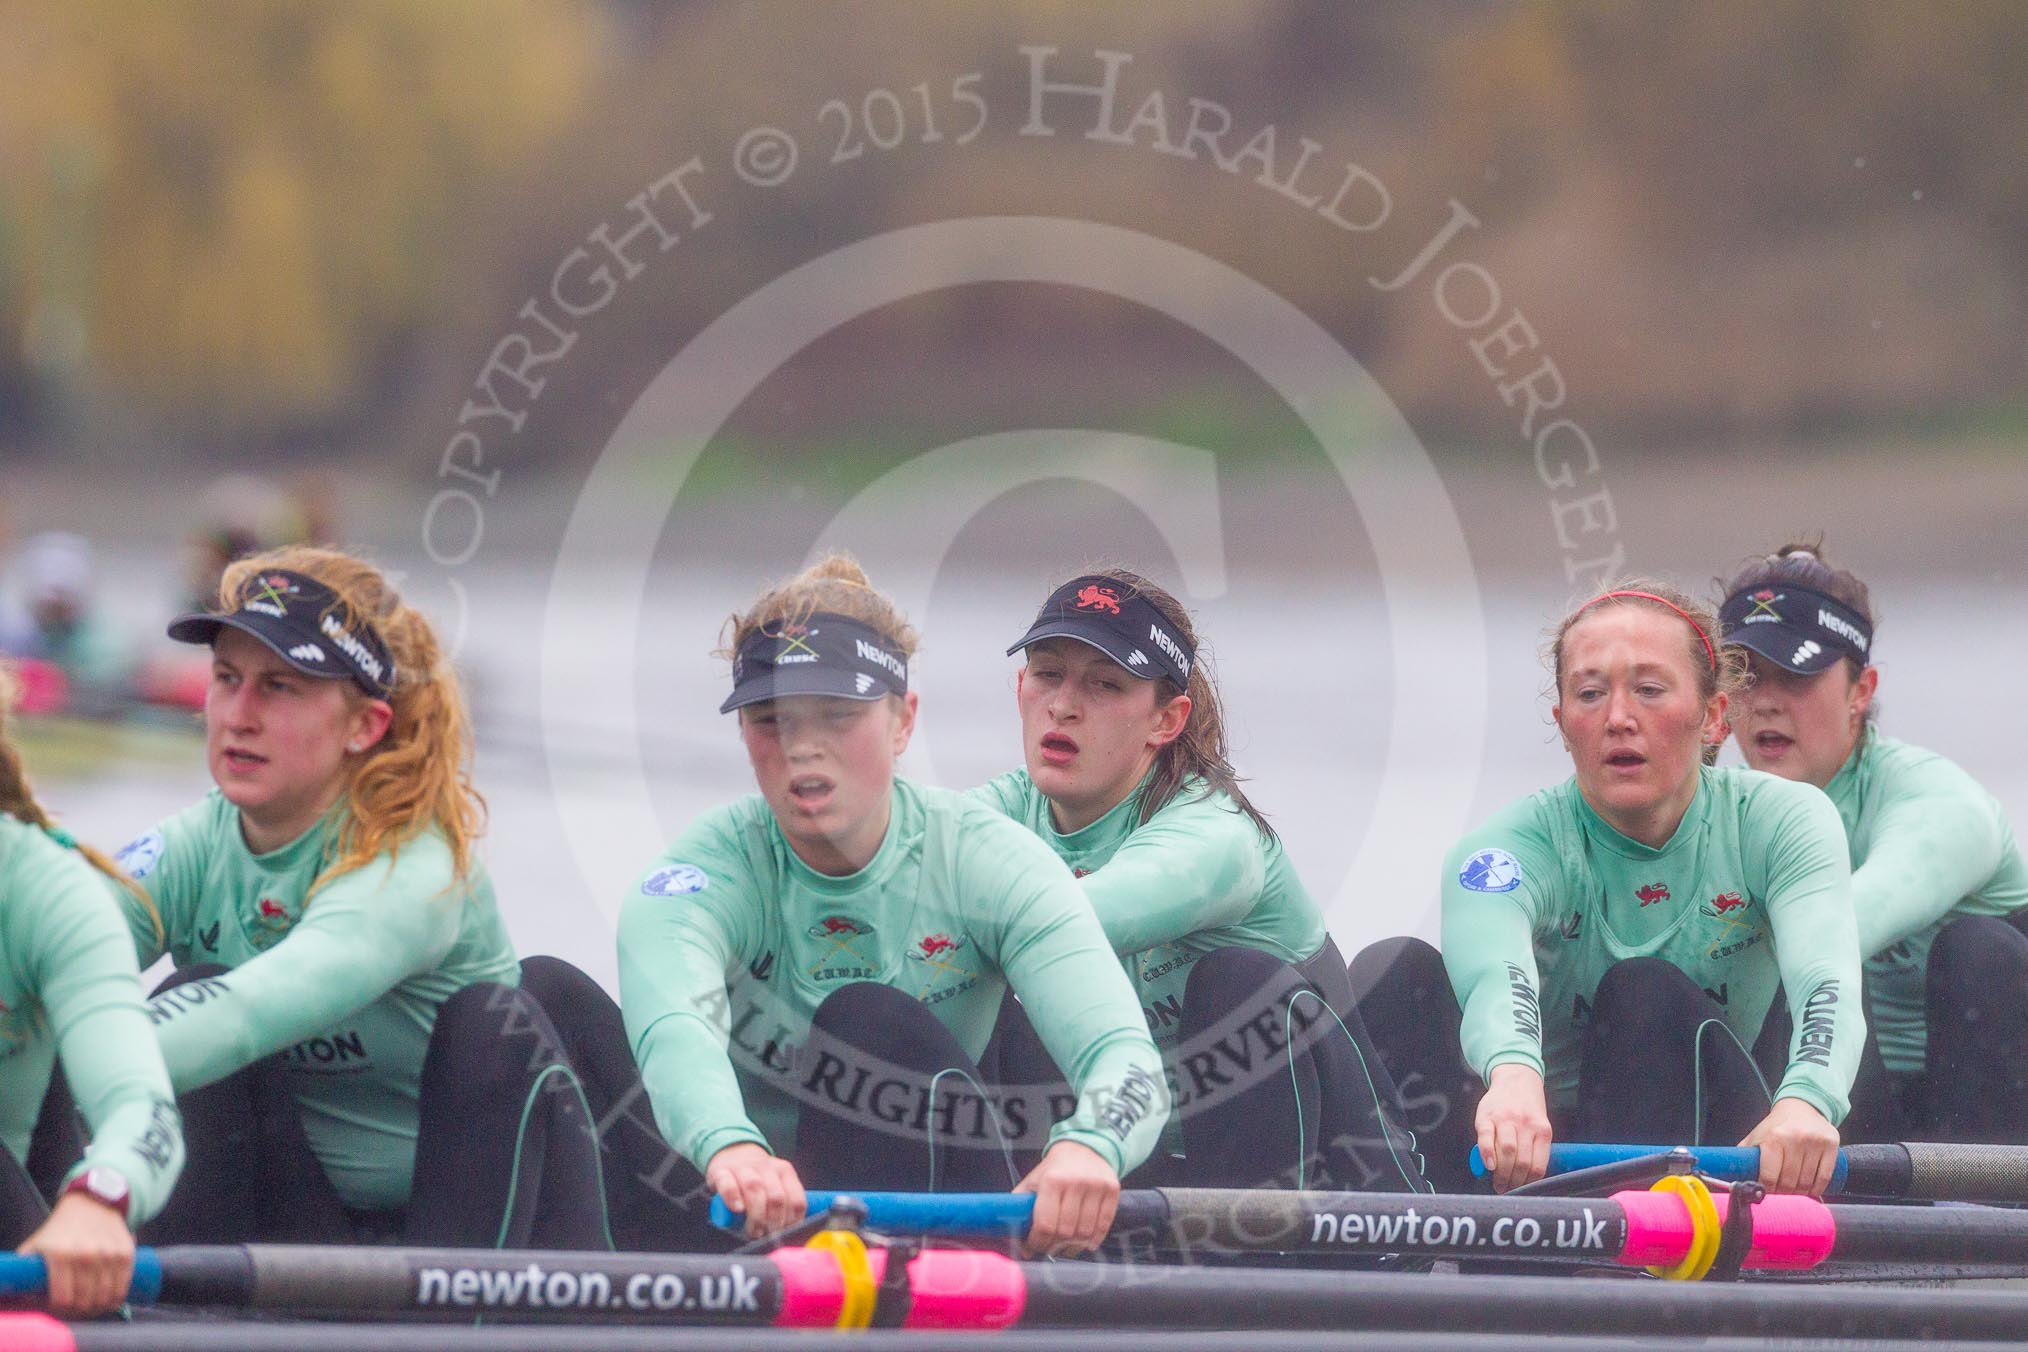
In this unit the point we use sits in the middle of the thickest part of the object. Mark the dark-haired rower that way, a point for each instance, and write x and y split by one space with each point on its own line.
1939 887
1127 780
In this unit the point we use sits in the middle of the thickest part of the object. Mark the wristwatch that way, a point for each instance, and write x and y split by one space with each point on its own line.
102 1185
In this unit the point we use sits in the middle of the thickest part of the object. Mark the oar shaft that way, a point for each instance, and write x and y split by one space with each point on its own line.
1930 1235
1932 1171
1075 1294
348 1279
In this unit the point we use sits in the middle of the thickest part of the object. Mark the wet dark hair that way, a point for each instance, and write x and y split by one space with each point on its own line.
1200 749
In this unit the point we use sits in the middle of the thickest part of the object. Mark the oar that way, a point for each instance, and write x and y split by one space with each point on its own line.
1636 1229
1938 1172
1633 1228
808 1288
213 1336
306 1279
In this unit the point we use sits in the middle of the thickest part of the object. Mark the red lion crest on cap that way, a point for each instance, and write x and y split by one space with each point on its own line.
1094 597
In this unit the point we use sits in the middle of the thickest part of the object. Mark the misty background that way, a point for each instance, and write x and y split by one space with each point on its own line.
383 273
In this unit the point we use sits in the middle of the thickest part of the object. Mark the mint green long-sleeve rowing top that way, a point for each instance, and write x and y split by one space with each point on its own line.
69 988
1195 877
1928 845
1753 889
729 942
346 982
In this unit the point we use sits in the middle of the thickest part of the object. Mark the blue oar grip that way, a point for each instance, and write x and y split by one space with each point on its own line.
25 1274
146 1287
958 1214
1730 1162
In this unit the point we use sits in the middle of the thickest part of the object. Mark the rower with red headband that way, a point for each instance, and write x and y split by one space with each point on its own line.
1615 942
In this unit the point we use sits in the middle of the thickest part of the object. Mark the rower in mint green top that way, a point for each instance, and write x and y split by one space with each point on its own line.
345 979
1750 891
729 942
1928 845
1197 876
69 988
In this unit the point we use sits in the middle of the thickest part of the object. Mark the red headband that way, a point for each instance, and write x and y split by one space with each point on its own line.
1658 600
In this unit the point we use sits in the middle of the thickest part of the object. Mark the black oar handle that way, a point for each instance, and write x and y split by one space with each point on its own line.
1940 1171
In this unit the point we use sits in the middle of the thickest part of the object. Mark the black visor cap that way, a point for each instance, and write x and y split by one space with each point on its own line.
1125 626
302 622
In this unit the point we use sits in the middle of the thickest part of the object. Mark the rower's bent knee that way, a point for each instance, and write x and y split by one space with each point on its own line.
1403 962
475 1026
1977 956
863 1005
1641 998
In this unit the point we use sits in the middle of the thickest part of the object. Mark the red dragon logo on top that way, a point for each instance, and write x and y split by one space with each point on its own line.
1653 893
838 927
1094 597
273 922
1727 901
933 946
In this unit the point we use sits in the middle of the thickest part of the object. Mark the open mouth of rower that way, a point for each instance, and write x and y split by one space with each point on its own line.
1772 743
1626 760
810 790
1057 749
240 759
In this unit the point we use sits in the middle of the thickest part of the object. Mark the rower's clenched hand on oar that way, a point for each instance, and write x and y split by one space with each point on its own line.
759 1185
1798 1148
90 1255
1076 1194
1513 1126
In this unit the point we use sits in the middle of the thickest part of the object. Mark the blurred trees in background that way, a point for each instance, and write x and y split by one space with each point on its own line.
235 216
265 220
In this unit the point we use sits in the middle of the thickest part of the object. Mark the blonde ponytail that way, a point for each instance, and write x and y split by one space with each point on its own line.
17 800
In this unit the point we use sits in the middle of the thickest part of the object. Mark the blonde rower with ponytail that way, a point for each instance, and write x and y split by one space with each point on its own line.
69 989
809 974
345 1027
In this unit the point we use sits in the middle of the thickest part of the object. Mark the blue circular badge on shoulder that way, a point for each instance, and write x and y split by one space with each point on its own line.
677 880
140 855
1491 871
